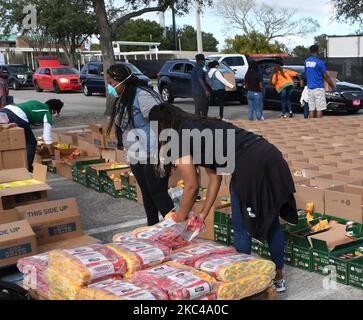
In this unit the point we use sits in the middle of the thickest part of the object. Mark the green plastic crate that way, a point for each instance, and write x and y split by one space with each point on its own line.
77 174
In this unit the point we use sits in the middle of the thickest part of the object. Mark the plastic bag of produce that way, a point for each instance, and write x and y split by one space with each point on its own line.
88 264
121 290
139 254
188 255
170 233
243 288
232 267
178 281
60 287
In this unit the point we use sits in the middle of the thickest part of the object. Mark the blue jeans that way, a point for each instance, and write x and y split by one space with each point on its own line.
243 240
306 110
285 98
255 105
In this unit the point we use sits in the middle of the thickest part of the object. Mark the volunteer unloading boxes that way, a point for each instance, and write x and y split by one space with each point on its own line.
34 113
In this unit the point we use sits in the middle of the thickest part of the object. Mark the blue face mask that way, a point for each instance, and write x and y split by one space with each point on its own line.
112 90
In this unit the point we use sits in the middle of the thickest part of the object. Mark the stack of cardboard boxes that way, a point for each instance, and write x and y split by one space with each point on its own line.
12 149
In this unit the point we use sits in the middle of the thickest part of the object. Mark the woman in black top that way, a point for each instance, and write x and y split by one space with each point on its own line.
254 85
261 183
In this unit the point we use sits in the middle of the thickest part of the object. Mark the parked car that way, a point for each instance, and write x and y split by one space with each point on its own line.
17 75
92 77
57 78
174 81
348 97
237 62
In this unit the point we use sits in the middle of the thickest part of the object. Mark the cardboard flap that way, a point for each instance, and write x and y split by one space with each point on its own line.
40 172
25 189
14 175
328 240
15 230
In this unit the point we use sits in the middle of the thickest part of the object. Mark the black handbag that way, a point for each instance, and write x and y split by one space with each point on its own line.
11 291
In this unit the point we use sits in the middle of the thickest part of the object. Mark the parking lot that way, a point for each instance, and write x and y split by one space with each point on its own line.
103 216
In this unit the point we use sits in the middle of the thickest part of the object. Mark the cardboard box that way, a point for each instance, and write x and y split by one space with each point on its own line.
13 197
357 173
305 174
109 155
13 159
63 169
333 76
17 240
12 139
345 202
59 154
339 177
97 134
121 156
324 243
231 78
8 216
350 164
54 220
299 165
68 244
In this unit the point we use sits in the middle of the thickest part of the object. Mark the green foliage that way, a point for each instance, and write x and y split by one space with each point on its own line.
351 10
255 43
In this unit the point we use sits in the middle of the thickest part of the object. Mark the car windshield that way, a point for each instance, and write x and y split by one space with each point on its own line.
215 58
18 69
133 69
59 71
222 66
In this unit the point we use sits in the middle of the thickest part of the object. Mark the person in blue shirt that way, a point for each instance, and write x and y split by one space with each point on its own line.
316 73
200 89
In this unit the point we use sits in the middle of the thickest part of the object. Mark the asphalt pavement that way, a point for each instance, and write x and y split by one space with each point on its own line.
103 216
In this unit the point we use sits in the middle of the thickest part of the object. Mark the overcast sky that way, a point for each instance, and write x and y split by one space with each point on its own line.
321 10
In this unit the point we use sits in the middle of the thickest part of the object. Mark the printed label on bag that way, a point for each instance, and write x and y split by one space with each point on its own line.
151 256
203 249
137 246
163 270
212 265
97 264
166 223
185 278
198 291
149 233
142 295
181 255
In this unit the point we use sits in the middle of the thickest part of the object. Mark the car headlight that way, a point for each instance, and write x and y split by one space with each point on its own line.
63 80
20 76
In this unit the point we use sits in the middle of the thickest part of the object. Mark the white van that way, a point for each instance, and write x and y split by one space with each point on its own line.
237 62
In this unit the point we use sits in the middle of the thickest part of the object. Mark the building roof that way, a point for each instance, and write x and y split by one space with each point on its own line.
8 38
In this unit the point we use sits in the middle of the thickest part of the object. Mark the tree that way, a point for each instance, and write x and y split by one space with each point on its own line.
69 22
300 52
250 18
351 10
188 39
254 43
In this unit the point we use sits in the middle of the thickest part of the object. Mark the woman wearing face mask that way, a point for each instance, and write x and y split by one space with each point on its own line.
134 102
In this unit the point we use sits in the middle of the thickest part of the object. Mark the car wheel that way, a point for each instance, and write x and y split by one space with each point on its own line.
165 94
86 91
37 88
56 87
14 85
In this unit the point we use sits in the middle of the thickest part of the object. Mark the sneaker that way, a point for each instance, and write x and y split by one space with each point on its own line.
280 285
283 116
291 115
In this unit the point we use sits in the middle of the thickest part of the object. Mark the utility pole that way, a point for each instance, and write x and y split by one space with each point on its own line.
175 40
198 26
162 22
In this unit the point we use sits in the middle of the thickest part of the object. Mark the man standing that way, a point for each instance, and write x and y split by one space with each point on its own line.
316 72
200 90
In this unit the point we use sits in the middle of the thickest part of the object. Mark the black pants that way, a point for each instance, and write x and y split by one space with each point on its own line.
31 142
201 105
220 94
154 192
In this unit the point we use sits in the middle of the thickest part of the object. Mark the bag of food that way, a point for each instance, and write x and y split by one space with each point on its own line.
188 255
170 233
139 254
88 264
232 267
244 287
178 281
61 287
33 269
121 290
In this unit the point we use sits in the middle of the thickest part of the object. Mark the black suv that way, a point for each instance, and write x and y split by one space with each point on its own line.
174 81
17 75
92 80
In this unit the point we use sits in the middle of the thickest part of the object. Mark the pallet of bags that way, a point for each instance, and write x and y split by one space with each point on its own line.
178 281
239 275
113 289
